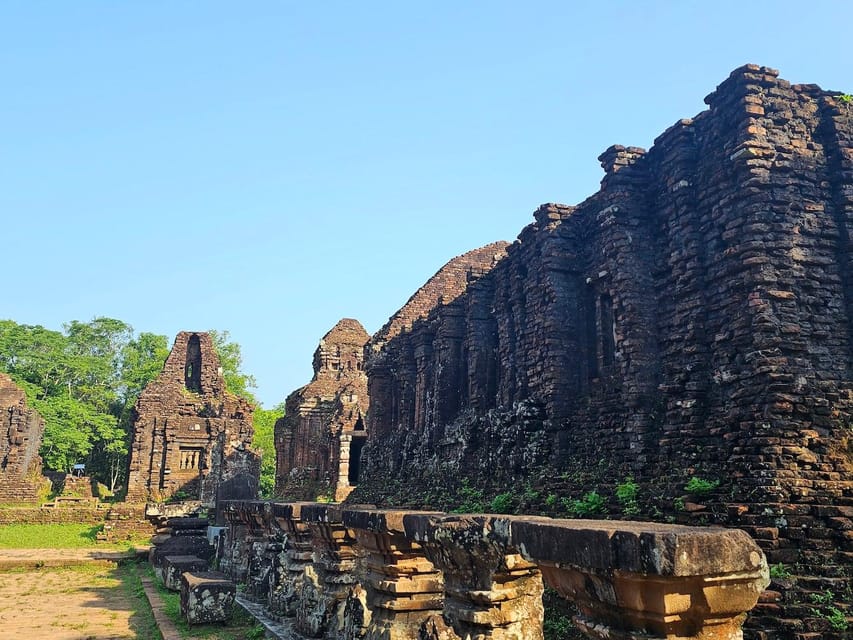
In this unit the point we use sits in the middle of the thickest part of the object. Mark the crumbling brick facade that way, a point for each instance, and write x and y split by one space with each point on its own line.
190 435
319 440
692 319
401 364
21 430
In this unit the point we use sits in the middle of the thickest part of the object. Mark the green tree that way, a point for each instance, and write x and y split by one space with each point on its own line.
83 382
231 360
264 443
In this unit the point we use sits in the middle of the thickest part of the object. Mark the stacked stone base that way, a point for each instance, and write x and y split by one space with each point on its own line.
399 575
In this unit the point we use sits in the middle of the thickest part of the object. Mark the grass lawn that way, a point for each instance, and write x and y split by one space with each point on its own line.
56 536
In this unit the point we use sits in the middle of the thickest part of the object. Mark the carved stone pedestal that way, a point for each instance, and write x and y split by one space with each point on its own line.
403 587
490 590
634 580
332 603
296 554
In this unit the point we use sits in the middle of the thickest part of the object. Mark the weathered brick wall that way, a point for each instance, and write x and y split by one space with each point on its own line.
21 430
400 358
319 439
190 435
38 515
692 318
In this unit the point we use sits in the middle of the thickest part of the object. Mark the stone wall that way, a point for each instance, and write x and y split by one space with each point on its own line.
318 441
329 571
692 320
191 438
21 430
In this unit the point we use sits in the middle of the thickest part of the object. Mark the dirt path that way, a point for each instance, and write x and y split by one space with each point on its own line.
86 602
37 558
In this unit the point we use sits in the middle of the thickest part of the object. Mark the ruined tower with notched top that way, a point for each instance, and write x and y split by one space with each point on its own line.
190 435
319 439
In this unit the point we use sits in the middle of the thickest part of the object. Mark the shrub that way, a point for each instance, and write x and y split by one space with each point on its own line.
626 494
591 504
700 487
502 503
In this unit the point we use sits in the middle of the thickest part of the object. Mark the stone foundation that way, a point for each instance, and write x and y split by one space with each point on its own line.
399 575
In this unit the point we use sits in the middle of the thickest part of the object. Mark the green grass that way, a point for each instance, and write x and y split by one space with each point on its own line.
57 536
48 536
142 621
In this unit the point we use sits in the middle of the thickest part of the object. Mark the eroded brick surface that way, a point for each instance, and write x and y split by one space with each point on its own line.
690 319
21 430
190 435
319 440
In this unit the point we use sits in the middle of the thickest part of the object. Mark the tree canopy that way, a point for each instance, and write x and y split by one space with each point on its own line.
264 442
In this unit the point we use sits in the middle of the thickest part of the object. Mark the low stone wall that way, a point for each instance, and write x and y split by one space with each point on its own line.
42 515
121 521
359 572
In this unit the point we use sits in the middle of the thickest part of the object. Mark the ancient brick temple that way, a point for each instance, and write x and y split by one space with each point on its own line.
689 326
191 437
399 357
319 440
21 430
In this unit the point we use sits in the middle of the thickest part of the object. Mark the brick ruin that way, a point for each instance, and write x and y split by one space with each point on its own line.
21 430
319 440
191 437
397 356
341 571
692 320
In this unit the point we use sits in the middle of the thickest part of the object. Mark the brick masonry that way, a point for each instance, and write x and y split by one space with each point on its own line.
319 439
190 436
693 318
21 430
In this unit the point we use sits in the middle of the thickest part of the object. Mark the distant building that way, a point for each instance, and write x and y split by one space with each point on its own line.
319 440
190 435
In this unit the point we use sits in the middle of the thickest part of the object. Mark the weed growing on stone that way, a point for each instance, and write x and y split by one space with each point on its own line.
700 487
591 504
470 498
836 618
502 503
557 622
626 494
779 571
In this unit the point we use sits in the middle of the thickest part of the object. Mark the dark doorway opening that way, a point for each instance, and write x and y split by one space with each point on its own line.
355 448
192 370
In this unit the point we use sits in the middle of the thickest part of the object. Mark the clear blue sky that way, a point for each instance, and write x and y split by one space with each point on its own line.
270 167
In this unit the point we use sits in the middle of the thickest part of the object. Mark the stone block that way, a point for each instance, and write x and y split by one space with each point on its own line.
180 546
206 597
173 567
